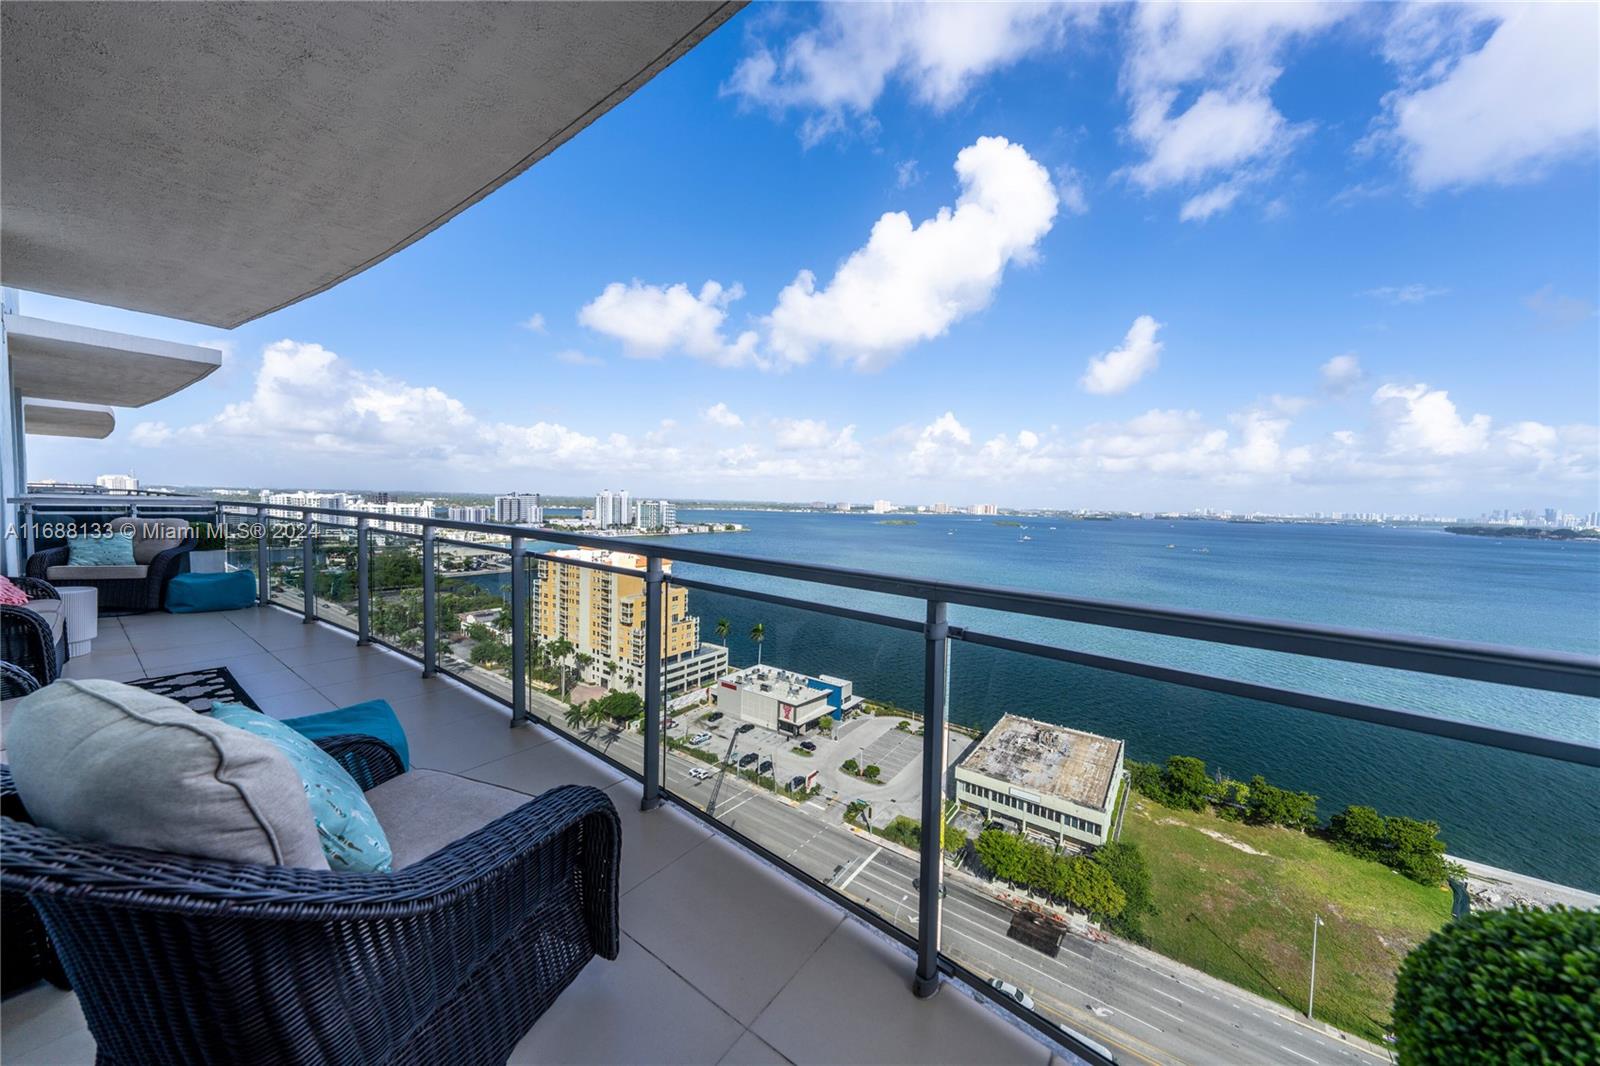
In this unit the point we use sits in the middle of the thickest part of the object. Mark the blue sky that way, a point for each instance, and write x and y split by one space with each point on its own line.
1284 257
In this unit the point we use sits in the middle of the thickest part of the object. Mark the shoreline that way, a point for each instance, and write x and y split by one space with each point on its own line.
1492 888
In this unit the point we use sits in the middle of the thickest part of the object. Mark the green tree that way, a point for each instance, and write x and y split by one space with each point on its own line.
1267 804
871 771
850 766
1125 864
1001 854
724 627
618 707
1186 782
758 633
904 831
1359 831
825 724
1091 888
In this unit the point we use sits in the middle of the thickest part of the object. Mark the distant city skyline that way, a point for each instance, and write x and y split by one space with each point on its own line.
1294 257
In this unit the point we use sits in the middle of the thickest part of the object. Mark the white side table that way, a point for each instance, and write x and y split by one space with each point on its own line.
81 610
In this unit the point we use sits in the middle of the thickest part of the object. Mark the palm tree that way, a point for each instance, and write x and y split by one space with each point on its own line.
576 717
758 633
724 627
559 650
584 660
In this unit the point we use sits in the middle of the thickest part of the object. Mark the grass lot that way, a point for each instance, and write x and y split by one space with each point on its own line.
1247 918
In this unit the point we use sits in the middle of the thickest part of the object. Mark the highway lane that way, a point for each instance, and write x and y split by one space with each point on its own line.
1159 1014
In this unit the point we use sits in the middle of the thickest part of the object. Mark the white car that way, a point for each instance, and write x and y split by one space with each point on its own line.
700 738
699 773
1012 992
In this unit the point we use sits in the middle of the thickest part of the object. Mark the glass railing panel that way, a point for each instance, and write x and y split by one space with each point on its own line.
241 544
472 620
335 573
584 678
285 567
819 760
1224 861
394 579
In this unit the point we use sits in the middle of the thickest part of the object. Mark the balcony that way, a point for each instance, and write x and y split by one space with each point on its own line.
752 902
724 958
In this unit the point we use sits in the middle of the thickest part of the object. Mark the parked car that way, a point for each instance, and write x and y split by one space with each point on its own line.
746 727
699 773
809 745
748 758
1012 992
669 723
765 767
700 738
714 716
797 782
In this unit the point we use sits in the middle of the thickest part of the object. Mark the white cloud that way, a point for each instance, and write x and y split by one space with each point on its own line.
574 357
811 434
1119 368
837 70
534 322
1199 79
1504 112
912 283
906 174
1421 419
652 320
1341 374
1070 190
1414 293
719 415
1555 309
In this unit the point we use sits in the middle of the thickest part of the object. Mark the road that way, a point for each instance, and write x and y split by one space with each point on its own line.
1160 1012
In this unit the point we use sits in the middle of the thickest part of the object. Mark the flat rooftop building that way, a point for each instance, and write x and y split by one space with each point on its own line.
783 699
1044 778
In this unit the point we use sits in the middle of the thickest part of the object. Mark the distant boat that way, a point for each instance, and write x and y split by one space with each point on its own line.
1172 545
1023 538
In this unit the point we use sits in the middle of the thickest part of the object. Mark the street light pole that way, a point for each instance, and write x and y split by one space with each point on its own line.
1311 998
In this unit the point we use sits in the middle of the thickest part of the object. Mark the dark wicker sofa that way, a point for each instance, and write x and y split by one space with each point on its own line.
33 640
450 959
159 548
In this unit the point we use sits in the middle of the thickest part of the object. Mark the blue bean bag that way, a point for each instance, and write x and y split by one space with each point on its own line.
374 718
193 593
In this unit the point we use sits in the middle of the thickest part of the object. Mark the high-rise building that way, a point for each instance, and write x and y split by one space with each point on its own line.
602 614
519 509
611 508
469 514
117 482
985 508
881 506
656 515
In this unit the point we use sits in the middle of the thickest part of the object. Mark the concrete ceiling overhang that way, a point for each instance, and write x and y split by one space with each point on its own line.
59 361
214 162
59 420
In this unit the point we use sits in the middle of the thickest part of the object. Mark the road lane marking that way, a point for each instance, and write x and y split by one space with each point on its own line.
842 885
1297 1054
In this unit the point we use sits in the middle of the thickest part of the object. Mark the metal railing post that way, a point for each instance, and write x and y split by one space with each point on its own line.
430 648
519 631
308 568
363 584
654 615
263 559
935 692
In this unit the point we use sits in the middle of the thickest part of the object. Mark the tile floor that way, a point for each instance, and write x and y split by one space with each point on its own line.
787 977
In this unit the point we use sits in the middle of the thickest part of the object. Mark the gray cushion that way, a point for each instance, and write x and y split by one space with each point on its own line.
423 810
66 574
54 615
116 764
152 536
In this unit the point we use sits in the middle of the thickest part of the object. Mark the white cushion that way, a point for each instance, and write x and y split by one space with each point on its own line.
116 764
424 810
54 614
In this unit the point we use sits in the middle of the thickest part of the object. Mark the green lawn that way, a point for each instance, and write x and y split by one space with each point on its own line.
1247 918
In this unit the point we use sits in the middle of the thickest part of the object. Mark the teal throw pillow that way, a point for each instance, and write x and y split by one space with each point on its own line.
351 837
100 549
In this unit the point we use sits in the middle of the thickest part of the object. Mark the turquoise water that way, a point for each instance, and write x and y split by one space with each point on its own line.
1510 810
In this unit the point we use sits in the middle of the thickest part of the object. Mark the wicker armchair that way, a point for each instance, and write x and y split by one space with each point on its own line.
33 647
144 592
451 959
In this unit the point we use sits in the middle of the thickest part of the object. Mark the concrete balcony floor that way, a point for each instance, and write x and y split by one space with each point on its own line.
779 975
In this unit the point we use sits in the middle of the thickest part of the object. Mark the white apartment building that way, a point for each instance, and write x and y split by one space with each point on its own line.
783 700
519 509
611 508
656 515
337 501
1043 778
469 514
117 482
881 506
985 508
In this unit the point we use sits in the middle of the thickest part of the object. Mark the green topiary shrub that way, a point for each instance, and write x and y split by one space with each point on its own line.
1509 986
